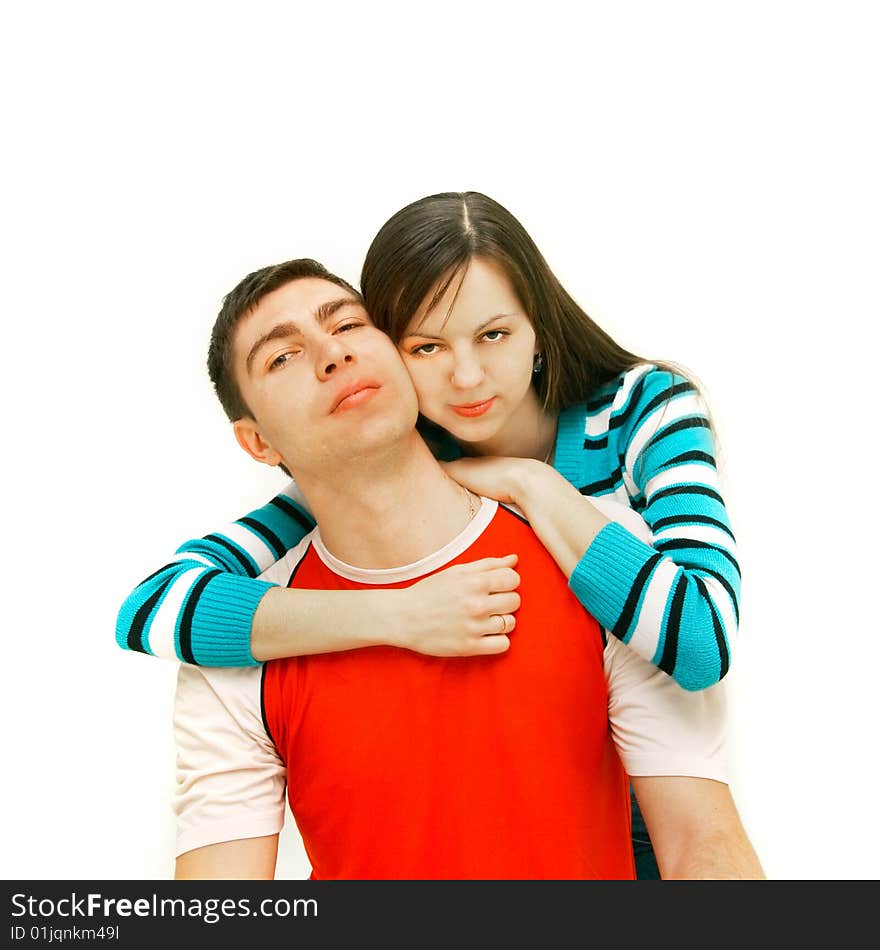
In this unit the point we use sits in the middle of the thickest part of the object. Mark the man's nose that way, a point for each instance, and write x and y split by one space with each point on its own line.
333 355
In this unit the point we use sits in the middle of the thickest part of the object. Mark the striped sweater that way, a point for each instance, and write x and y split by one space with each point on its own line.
643 439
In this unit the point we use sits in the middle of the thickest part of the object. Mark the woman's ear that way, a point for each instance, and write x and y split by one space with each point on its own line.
250 438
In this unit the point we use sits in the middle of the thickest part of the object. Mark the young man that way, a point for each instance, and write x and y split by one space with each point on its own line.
396 764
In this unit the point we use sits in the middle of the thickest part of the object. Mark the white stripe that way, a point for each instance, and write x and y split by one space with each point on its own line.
724 605
646 635
251 542
684 474
629 485
292 491
666 413
187 556
599 423
696 532
160 633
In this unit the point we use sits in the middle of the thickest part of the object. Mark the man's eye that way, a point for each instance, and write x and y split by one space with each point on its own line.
348 326
281 359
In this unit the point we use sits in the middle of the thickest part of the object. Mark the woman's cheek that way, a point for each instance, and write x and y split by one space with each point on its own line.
421 384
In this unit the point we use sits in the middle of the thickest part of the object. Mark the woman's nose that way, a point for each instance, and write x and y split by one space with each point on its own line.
466 371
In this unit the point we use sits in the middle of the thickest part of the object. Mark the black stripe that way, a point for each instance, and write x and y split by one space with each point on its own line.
263 709
693 456
632 598
723 654
189 609
267 535
591 445
298 564
634 397
670 644
250 569
680 543
134 640
597 488
664 396
686 490
691 519
722 580
147 580
601 402
290 509
692 422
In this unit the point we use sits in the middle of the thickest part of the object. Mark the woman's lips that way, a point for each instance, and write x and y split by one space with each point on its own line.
474 408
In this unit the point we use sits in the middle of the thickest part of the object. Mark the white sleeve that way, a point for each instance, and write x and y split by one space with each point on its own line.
230 779
658 727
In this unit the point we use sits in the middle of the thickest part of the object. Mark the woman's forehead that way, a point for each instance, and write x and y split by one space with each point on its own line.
478 293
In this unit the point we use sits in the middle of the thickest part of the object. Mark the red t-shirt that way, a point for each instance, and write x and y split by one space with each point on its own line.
407 766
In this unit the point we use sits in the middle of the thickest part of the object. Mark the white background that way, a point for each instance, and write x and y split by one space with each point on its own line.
701 176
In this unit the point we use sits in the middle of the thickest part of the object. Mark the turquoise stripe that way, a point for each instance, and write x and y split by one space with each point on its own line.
698 663
289 531
221 625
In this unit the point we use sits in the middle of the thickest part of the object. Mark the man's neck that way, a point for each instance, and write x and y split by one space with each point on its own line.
388 510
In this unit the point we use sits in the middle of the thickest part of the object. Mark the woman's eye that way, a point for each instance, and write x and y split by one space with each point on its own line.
426 349
492 336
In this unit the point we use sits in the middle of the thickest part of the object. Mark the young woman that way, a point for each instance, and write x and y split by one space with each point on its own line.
531 403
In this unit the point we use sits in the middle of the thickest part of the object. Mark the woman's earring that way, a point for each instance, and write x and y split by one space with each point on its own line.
539 363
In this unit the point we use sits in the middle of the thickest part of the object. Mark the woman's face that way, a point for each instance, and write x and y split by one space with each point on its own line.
471 359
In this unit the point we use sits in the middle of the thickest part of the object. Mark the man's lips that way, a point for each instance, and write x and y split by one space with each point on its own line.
354 394
470 409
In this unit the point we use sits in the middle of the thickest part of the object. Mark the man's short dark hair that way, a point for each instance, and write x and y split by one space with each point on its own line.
239 302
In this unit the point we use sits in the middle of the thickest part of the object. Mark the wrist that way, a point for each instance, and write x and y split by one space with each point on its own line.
530 482
393 614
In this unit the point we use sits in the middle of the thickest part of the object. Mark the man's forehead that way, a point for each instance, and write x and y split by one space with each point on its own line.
301 299
300 302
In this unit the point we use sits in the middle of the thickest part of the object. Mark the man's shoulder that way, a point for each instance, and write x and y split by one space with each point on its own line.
222 681
214 697
280 572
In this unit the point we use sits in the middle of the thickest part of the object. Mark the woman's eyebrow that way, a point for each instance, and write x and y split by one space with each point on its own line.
482 326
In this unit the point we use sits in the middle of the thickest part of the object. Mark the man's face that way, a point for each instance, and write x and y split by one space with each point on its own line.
323 383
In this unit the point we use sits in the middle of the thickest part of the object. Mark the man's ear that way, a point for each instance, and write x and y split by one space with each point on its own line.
251 440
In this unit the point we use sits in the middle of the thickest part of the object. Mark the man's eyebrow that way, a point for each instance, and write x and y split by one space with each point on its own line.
282 330
481 327
279 332
326 310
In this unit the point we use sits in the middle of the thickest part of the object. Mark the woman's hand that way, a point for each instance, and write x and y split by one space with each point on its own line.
566 521
504 479
465 610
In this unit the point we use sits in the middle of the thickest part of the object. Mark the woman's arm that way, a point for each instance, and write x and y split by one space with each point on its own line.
675 601
208 606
